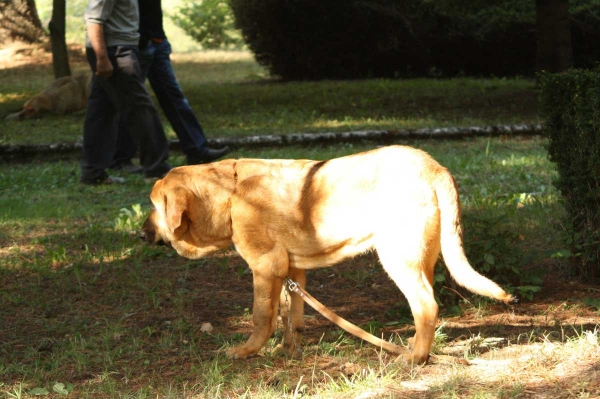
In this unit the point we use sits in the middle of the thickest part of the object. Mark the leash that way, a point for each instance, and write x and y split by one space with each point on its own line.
292 286
344 324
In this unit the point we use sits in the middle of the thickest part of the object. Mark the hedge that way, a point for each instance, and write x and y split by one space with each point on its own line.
347 39
570 108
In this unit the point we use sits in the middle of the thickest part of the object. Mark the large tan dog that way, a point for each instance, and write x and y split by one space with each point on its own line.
287 216
66 94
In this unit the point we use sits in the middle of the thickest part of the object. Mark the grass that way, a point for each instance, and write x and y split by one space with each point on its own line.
85 305
233 96
88 311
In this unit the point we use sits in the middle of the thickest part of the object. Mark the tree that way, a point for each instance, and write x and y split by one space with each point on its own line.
210 23
554 47
57 26
19 20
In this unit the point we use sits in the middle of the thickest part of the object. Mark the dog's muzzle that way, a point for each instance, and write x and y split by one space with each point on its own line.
150 237
147 232
144 235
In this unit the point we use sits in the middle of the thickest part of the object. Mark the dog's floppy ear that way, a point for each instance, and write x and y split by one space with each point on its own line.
176 205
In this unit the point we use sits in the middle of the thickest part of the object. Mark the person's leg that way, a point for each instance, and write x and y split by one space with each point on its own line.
172 101
99 131
143 122
126 147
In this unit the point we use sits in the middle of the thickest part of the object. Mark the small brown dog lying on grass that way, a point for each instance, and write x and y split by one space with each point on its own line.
66 94
287 216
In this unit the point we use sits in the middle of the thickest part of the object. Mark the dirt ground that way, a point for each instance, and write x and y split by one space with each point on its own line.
532 344
36 56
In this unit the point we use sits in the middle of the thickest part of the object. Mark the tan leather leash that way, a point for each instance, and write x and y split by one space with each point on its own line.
344 324
293 286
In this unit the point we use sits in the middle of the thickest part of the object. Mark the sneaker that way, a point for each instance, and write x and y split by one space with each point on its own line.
206 155
108 180
158 173
128 167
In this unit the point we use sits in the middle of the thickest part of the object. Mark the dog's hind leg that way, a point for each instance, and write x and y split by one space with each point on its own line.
430 259
268 273
410 263
291 308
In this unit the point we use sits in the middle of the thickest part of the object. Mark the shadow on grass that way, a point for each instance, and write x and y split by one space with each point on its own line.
109 314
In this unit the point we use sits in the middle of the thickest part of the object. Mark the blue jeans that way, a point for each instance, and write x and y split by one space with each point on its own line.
123 94
155 62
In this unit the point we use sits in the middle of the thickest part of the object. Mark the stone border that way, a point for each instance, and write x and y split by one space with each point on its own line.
385 136
22 152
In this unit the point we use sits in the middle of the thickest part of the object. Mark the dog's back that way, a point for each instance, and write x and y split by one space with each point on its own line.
63 95
338 206
66 94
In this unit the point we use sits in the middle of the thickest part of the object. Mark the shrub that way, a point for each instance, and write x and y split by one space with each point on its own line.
338 39
493 248
570 108
314 39
210 23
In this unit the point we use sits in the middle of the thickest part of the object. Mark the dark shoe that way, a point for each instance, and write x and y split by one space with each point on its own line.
128 167
105 181
206 155
157 173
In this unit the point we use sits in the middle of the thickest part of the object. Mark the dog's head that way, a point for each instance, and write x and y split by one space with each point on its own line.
191 209
31 109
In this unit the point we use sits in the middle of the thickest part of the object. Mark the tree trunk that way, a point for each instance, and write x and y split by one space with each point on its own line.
19 20
554 49
57 26
33 14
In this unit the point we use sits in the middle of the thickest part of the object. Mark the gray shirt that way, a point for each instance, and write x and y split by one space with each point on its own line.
120 18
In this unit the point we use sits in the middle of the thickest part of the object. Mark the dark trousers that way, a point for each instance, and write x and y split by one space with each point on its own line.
124 93
155 62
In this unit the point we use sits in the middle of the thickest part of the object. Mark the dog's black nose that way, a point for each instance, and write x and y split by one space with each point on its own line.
142 234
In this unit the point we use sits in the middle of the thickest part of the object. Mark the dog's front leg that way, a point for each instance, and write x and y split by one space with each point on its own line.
291 307
264 314
268 274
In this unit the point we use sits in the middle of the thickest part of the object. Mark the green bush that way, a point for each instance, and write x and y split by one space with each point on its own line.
314 39
210 23
570 108
493 248
338 39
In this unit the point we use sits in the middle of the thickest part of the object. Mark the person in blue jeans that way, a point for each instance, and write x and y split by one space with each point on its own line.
118 90
155 62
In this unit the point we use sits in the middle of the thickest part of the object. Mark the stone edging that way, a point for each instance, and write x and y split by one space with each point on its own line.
380 135
9 152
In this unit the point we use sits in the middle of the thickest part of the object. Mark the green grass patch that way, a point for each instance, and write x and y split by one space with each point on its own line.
88 311
87 306
232 96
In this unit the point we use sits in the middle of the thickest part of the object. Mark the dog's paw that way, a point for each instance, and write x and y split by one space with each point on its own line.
287 351
411 360
240 352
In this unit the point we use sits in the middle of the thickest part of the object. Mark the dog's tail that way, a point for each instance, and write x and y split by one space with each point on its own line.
452 244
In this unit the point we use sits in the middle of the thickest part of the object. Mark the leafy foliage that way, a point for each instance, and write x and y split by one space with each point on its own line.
129 220
493 248
19 20
336 39
210 23
570 106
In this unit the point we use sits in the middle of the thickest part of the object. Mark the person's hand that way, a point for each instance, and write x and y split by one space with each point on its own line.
104 68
